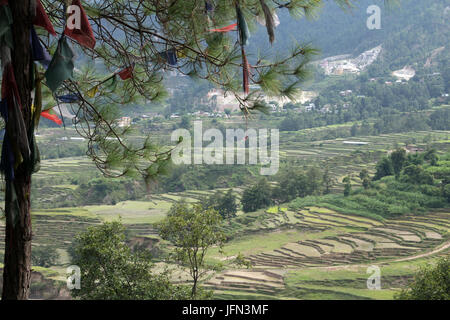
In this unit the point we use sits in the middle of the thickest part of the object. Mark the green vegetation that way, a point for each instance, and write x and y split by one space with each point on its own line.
413 189
430 283
257 196
192 231
112 271
222 202
44 256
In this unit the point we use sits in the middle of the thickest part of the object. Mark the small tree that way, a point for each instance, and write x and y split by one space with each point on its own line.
446 191
185 122
384 168
327 180
430 283
110 270
224 203
398 159
416 175
44 256
364 176
347 186
431 155
257 196
192 230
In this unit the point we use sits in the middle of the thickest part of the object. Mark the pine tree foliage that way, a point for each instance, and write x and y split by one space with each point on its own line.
145 34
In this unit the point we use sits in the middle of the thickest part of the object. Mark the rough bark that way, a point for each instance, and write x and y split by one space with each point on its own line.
17 261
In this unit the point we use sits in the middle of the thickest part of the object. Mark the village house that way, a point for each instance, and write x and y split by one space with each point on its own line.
124 122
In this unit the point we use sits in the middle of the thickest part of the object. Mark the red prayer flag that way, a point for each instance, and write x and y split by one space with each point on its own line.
225 29
41 19
126 73
81 30
52 117
9 85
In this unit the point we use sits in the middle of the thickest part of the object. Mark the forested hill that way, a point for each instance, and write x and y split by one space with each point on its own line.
409 30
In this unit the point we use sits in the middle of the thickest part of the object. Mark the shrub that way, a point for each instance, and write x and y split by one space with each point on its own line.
44 256
430 283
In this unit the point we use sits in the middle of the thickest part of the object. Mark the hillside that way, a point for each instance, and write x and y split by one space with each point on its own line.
409 30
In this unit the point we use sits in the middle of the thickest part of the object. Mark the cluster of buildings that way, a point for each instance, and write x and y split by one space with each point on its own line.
344 64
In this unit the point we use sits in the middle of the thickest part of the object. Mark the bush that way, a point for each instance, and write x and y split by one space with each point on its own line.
44 256
430 283
257 196
110 270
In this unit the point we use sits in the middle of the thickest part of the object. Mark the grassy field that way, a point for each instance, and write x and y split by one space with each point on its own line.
310 252
327 257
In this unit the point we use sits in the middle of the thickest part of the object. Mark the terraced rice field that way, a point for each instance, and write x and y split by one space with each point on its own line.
306 254
346 159
324 239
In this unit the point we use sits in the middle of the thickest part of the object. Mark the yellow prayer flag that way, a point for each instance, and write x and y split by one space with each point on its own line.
181 54
92 92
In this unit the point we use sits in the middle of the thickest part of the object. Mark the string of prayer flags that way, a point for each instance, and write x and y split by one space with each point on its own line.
53 117
170 56
111 82
229 28
69 98
5 25
41 19
126 73
269 20
78 26
244 33
62 65
39 53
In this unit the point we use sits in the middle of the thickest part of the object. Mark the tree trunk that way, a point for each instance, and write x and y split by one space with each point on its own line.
17 262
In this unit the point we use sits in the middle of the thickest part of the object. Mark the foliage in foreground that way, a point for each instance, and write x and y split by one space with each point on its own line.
193 230
430 283
110 270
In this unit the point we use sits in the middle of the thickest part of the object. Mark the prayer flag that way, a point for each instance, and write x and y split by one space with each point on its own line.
69 98
170 56
41 19
244 33
229 28
78 26
126 73
61 66
38 52
52 117
92 92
